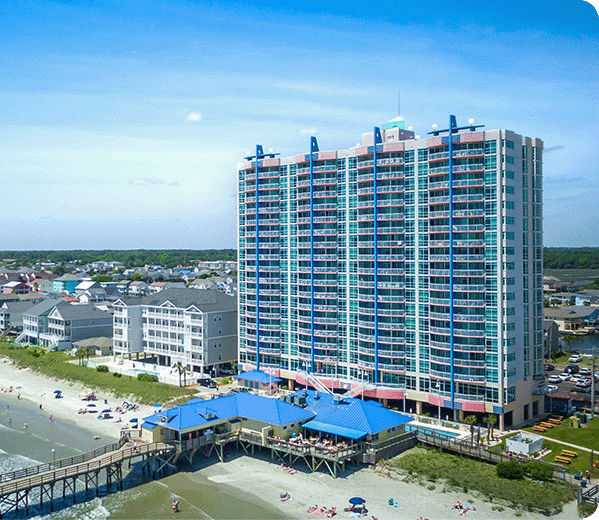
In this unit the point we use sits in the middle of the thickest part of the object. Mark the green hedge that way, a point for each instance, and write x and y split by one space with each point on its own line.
510 469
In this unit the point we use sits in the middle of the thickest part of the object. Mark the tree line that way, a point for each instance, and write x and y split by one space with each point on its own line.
130 258
571 258
553 257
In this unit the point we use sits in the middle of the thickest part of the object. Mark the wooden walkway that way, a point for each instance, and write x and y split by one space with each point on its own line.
15 486
480 452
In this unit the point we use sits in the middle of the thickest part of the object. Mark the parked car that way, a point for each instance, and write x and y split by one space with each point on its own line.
585 371
564 376
549 366
551 388
575 359
577 379
227 372
572 369
584 383
207 382
554 379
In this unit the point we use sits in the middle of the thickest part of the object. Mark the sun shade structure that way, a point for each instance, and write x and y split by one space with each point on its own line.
257 376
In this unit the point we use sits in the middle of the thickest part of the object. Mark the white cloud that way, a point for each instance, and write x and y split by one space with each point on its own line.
147 181
308 131
193 116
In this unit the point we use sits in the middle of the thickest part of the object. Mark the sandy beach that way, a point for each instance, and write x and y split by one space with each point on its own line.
268 481
36 390
258 476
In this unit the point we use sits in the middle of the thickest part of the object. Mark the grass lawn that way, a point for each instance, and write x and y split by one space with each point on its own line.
579 464
472 475
57 365
587 436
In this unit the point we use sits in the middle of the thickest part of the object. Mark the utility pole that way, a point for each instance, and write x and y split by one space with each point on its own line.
593 387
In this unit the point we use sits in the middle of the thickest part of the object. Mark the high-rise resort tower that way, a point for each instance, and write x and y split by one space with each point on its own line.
405 270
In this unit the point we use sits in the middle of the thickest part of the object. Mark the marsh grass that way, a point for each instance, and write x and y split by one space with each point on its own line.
464 473
57 365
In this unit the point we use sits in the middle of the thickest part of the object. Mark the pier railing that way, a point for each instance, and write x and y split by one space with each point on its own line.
61 463
48 473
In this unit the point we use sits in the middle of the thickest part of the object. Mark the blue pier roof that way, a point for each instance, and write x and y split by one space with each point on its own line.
351 414
199 412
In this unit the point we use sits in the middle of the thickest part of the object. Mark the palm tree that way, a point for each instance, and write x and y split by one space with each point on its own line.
491 420
179 367
568 338
470 419
81 354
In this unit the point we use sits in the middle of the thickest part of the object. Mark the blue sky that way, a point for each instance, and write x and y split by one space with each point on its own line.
122 122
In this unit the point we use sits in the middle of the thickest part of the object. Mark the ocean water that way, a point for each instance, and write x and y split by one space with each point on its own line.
142 497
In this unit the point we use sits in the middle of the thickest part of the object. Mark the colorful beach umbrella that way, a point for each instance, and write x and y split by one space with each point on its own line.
356 501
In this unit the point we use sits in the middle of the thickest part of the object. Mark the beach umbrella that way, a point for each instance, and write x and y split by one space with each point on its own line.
356 500
157 406
91 405
58 391
133 419
106 411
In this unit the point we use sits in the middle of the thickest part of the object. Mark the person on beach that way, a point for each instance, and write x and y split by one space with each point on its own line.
176 505
25 426
134 446
51 418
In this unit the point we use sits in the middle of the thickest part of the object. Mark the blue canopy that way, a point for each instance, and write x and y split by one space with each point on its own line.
335 430
258 377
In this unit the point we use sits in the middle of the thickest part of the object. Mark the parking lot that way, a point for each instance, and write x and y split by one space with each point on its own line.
568 388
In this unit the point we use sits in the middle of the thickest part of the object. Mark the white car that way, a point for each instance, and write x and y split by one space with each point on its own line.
565 377
585 371
551 388
584 383
554 379
575 359
577 379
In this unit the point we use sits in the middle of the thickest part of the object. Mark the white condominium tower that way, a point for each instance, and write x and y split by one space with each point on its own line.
403 269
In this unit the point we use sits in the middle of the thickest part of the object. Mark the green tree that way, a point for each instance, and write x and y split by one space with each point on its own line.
60 270
182 369
470 420
81 352
491 421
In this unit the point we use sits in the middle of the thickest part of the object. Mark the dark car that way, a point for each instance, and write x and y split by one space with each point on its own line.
572 369
548 366
210 383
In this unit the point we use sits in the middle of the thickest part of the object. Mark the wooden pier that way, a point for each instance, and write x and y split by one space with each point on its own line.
16 486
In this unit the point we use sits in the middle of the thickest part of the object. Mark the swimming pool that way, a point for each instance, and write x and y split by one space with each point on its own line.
139 371
439 434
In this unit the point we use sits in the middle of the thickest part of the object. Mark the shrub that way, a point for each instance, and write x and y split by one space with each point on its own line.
117 374
538 471
102 368
149 378
511 470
